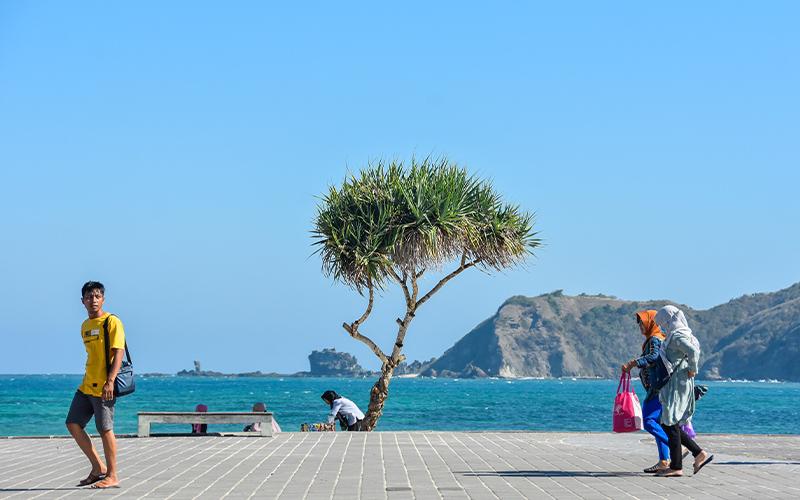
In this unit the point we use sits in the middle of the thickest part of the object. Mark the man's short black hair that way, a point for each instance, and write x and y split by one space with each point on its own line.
92 285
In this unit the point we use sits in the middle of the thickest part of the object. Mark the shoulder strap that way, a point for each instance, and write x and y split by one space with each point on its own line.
105 342
105 333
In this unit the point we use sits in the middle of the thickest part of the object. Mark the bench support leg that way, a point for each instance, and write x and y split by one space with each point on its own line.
144 428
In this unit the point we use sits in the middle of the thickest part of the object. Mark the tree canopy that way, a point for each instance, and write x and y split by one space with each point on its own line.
393 218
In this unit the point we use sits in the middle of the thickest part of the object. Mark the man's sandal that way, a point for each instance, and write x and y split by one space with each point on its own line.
101 486
91 479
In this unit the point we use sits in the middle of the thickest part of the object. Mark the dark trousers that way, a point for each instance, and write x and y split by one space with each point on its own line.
678 437
356 427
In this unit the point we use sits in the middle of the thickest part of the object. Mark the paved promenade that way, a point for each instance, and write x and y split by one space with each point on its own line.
404 465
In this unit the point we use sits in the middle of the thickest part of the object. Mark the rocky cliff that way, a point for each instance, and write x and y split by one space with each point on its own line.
331 363
555 335
412 368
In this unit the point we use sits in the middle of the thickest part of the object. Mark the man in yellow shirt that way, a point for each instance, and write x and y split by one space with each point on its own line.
95 396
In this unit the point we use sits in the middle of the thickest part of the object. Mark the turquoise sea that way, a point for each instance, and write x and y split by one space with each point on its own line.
37 404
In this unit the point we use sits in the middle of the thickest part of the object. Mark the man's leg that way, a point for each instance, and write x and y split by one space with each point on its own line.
88 449
110 452
80 412
104 419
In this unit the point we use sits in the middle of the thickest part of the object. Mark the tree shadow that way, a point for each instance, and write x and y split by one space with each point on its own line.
552 473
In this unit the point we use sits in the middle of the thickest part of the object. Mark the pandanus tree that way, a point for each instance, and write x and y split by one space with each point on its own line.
393 222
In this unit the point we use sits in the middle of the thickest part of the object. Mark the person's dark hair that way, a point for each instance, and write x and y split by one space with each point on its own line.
92 285
330 396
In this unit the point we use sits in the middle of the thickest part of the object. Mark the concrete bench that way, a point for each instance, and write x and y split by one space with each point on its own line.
192 417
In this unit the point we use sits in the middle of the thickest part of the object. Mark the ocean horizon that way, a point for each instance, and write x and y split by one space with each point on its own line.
36 405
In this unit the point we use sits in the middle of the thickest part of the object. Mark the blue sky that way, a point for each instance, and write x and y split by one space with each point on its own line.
173 150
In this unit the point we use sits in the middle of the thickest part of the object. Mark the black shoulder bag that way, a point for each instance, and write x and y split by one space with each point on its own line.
662 368
124 383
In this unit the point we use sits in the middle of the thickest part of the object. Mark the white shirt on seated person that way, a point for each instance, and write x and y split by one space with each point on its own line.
347 408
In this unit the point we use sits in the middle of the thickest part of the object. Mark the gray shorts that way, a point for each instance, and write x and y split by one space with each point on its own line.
84 407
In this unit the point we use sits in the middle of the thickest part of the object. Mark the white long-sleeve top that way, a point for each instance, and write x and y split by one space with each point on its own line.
346 408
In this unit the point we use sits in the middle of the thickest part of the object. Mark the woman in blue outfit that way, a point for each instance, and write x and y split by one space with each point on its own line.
651 409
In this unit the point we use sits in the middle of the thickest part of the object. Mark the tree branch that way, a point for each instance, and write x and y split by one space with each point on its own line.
366 314
403 285
358 336
463 267
352 328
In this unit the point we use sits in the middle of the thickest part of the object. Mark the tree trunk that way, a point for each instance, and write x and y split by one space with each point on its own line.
380 391
377 397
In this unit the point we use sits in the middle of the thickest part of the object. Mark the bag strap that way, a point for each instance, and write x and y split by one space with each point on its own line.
621 384
105 334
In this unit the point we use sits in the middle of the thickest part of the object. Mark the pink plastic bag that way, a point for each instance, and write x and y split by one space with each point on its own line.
627 410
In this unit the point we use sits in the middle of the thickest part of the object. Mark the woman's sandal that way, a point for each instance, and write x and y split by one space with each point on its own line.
670 473
657 467
707 460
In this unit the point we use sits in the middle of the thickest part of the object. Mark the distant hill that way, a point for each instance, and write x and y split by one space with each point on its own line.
555 335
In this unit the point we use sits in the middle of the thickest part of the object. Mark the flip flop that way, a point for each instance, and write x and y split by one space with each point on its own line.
97 486
91 479
707 460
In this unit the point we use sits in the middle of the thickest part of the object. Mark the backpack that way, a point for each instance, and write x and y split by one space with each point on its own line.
124 384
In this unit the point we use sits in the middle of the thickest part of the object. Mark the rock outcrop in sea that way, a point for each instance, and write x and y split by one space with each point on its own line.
412 368
331 363
199 372
755 337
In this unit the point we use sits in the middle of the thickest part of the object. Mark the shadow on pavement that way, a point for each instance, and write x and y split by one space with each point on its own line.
18 490
779 462
553 473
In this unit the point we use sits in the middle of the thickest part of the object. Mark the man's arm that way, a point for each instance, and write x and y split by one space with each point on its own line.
116 363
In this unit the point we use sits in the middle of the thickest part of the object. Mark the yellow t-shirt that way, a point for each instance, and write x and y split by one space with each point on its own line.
94 342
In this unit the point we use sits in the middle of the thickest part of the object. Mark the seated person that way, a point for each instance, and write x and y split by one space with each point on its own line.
200 428
256 426
348 414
